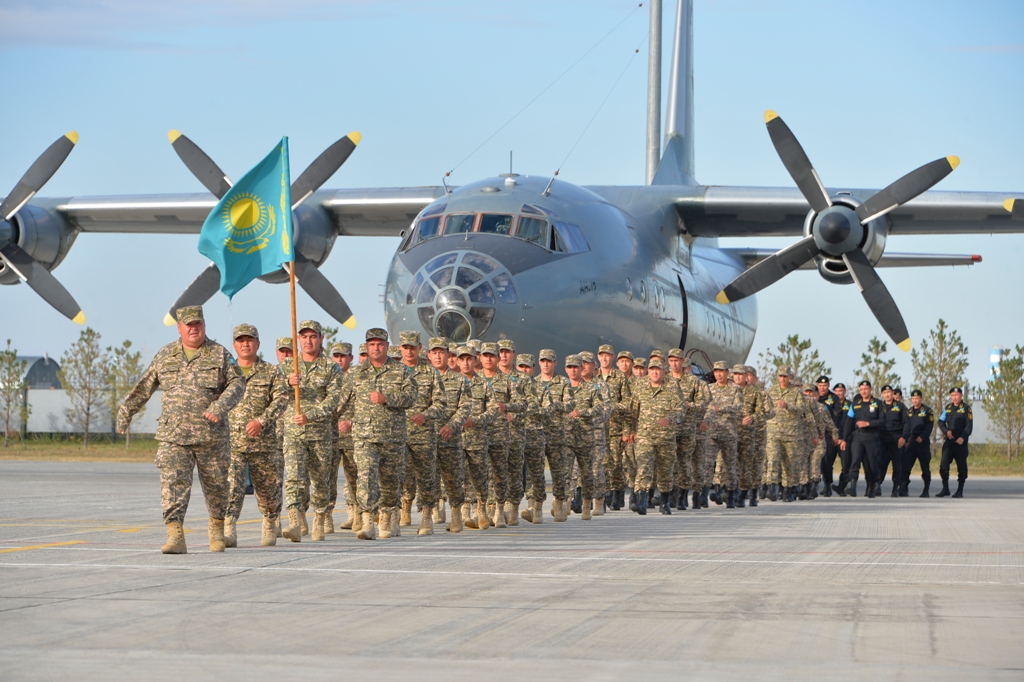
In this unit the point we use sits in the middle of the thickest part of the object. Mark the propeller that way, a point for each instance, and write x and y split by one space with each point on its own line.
306 273
837 230
17 259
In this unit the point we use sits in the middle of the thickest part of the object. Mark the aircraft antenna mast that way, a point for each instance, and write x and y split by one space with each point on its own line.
654 93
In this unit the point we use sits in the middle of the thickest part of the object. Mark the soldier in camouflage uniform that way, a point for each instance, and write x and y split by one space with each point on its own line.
755 407
817 452
341 355
379 391
423 420
253 426
308 432
657 410
787 434
579 431
600 448
618 383
557 388
695 398
517 421
538 408
629 454
802 464
510 400
451 459
200 384
284 355
722 418
483 412
763 410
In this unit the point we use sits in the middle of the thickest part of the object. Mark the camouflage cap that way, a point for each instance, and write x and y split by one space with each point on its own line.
362 349
606 348
750 370
641 363
488 348
190 314
657 354
284 342
654 362
453 348
408 338
341 348
466 350
721 364
525 359
376 333
784 371
547 354
625 354
797 381
394 351
676 353
506 344
474 344
437 342
587 356
687 363
739 369
311 324
246 330
572 361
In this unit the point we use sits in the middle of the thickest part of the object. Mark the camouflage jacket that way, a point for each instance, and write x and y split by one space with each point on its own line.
795 421
506 390
756 405
538 406
824 421
650 404
319 389
619 391
209 382
484 411
518 419
696 396
724 409
378 423
586 399
267 394
561 404
347 414
431 402
458 402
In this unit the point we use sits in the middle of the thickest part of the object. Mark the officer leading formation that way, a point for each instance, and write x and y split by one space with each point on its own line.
467 431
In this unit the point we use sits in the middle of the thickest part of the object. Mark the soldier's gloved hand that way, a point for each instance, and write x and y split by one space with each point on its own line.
445 432
301 419
418 419
344 426
254 428
293 379
211 417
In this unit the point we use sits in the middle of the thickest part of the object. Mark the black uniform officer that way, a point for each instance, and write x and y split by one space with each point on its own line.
917 432
834 408
894 414
862 435
843 423
956 423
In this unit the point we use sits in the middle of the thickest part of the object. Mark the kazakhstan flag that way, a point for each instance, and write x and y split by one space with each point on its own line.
249 233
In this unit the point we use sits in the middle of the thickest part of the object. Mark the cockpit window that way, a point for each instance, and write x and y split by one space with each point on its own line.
427 228
568 238
533 230
496 224
462 222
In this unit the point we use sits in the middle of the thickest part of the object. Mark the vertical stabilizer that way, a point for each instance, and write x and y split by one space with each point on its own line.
676 167
654 94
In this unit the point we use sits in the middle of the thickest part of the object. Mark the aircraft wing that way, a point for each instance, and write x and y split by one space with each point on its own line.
716 211
356 212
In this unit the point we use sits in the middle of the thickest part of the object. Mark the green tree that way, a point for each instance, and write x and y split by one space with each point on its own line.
875 367
84 369
12 390
329 334
124 371
1003 400
795 353
940 363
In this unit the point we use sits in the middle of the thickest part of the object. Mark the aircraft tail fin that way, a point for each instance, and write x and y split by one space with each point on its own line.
676 166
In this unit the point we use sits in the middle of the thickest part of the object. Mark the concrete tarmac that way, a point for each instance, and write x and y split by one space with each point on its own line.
834 588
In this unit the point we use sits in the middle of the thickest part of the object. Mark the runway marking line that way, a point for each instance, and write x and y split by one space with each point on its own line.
136 529
46 546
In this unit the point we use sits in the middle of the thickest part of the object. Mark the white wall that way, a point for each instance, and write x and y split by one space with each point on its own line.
49 409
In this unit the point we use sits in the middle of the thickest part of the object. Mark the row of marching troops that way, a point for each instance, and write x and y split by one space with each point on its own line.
472 426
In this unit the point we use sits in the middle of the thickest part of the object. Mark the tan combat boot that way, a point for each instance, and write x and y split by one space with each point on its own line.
350 509
586 510
538 512
456 525
498 518
277 527
329 522
426 522
175 539
527 514
512 513
216 532
556 511
318 527
396 531
469 521
406 517
385 523
230 531
367 531
357 520
482 522
439 515
598 506
294 530
302 519
269 537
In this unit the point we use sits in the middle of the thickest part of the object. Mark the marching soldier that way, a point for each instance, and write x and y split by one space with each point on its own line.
657 409
894 417
721 419
617 381
600 447
509 400
756 408
787 434
538 409
200 385
956 423
557 387
843 425
518 425
826 430
917 432
862 435
579 436
834 408
451 460
761 417
341 355
484 410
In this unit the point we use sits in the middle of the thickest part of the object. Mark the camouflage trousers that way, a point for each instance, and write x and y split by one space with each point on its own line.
600 455
369 458
814 463
421 475
332 480
316 457
748 457
451 465
516 460
629 464
477 470
614 462
761 456
580 454
655 461
686 444
498 470
533 453
391 473
267 472
555 454
781 455
801 465
702 463
176 463
346 450
723 449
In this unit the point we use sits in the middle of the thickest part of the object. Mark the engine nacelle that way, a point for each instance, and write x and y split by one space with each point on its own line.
43 234
871 240
314 235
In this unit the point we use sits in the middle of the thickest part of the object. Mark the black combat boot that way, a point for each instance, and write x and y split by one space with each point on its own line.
945 487
634 503
927 485
762 492
622 498
851 490
653 498
801 492
959 488
840 489
905 489
741 499
773 492
673 498
730 499
666 507
895 489
577 501
878 489
609 500
704 497
871 490
682 502
753 497
827 492
641 503
718 497
695 501
788 493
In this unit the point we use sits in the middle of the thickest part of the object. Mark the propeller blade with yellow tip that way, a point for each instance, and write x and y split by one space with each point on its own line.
878 298
906 188
769 271
323 167
42 282
1015 207
323 292
201 165
796 162
37 174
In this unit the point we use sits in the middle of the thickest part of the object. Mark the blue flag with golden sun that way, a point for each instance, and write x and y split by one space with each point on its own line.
249 232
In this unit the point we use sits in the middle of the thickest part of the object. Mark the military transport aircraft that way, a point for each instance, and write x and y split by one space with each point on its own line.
547 262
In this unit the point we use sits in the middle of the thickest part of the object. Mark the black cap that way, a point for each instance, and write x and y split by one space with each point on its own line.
887 387
916 392
898 390
838 384
955 389
864 382
822 379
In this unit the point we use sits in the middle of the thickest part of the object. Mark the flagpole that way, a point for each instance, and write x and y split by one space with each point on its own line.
295 334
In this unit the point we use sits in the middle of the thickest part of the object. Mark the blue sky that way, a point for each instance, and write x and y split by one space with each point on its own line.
872 89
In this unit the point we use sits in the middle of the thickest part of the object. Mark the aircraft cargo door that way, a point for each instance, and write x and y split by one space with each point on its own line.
685 321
